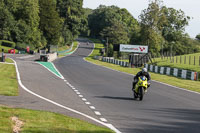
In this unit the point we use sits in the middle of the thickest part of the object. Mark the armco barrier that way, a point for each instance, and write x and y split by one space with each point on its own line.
185 74
112 60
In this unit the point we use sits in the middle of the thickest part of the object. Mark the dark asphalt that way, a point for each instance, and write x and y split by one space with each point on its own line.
42 82
164 109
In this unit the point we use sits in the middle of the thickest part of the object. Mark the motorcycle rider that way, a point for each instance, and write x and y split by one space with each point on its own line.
145 73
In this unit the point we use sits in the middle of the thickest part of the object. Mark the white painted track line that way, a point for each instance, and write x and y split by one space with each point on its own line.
97 113
64 107
103 119
88 103
92 107
80 95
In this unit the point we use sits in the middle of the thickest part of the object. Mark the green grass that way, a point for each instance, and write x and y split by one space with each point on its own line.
8 60
95 40
63 48
187 84
6 49
8 80
45 122
181 62
69 52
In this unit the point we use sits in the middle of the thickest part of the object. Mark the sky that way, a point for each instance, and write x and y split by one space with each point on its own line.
190 7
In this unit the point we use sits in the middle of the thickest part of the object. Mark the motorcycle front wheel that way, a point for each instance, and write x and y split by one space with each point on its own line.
141 93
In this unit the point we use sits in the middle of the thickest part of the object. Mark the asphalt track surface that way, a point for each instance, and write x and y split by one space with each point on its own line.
39 80
164 109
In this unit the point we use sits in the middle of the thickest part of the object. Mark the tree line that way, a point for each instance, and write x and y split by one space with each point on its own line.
159 27
41 23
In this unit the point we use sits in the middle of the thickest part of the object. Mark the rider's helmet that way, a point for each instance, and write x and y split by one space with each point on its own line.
144 71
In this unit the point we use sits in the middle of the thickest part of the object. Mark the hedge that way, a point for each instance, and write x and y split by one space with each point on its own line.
7 43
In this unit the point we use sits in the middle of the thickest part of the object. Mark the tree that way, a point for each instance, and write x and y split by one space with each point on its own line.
106 16
50 22
152 20
74 21
175 24
7 22
27 27
84 28
164 24
198 37
119 36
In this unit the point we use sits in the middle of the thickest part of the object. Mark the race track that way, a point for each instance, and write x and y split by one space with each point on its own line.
164 109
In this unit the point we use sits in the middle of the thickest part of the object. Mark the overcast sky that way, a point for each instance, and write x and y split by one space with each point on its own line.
190 7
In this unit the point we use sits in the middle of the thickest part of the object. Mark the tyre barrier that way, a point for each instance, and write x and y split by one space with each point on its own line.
112 60
185 74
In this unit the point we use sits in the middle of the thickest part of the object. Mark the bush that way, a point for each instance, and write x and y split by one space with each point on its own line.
7 43
23 46
20 46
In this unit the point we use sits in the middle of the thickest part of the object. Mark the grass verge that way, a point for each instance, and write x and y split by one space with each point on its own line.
182 83
45 122
6 49
69 52
8 80
63 48
188 62
8 60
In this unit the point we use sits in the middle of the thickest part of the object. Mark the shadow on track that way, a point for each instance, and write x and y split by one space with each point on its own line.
169 120
117 98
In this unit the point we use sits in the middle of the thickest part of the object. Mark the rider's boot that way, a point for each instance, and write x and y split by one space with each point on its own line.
133 87
147 87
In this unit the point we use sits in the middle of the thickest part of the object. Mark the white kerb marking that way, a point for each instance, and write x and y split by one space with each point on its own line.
97 113
88 103
80 95
84 99
71 86
92 107
103 119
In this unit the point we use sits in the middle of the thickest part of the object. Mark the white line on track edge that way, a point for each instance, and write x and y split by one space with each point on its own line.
59 105
57 71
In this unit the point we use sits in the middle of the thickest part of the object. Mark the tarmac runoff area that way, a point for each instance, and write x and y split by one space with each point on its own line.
50 67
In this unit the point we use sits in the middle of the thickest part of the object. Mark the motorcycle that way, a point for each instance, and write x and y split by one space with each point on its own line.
141 88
